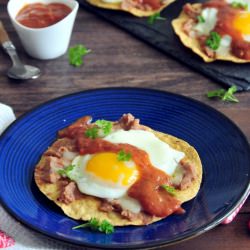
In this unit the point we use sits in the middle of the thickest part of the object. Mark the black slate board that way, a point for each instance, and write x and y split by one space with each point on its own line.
161 36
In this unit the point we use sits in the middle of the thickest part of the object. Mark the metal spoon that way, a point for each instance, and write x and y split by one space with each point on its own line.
18 70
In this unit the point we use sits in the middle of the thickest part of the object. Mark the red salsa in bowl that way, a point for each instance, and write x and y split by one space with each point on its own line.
39 15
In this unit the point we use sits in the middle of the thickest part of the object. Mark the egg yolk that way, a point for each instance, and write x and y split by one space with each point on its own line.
242 23
107 167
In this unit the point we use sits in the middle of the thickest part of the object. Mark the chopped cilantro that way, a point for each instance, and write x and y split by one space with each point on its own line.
65 171
153 18
169 189
224 95
213 41
201 19
106 126
76 55
239 5
96 225
92 132
101 128
123 156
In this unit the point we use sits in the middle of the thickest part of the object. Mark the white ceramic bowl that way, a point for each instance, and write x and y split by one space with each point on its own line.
49 42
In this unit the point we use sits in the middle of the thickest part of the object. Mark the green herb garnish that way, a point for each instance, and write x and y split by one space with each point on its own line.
100 126
92 132
123 156
96 225
201 19
65 171
213 41
76 55
106 126
239 5
153 18
224 95
169 189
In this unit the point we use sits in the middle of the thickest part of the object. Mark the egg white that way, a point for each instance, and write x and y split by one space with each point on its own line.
210 20
161 155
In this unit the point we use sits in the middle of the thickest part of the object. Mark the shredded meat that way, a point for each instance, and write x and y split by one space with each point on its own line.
127 122
109 206
60 146
45 173
209 52
189 174
188 25
69 193
191 11
106 206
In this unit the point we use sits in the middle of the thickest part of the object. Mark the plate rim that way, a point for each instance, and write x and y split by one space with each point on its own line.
161 243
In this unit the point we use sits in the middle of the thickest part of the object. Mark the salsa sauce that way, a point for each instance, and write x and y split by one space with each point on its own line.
40 15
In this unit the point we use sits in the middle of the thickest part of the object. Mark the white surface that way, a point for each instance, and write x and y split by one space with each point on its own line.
44 43
7 116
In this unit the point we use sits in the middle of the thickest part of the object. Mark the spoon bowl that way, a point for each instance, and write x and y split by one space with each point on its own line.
23 72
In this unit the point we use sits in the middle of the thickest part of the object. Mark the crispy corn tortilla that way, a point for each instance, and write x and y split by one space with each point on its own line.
193 43
133 11
87 207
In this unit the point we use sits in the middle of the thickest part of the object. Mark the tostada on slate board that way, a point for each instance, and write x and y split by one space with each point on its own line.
123 172
216 30
138 8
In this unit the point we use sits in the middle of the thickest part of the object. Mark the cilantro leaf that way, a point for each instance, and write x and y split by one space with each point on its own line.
106 227
224 95
153 18
216 93
92 132
213 41
96 225
106 126
65 171
201 19
123 156
76 55
239 5
101 128
171 190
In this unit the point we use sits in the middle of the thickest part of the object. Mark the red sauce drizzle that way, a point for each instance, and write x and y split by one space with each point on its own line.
154 4
154 199
40 15
224 26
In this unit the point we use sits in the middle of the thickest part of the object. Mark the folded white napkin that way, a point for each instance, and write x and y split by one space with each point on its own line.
7 116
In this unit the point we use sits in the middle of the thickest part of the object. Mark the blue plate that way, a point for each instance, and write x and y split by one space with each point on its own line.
223 149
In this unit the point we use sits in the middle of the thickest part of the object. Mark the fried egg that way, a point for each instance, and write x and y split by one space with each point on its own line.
240 23
103 175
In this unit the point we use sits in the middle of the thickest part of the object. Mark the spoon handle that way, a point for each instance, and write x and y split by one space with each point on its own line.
9 46
3 34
